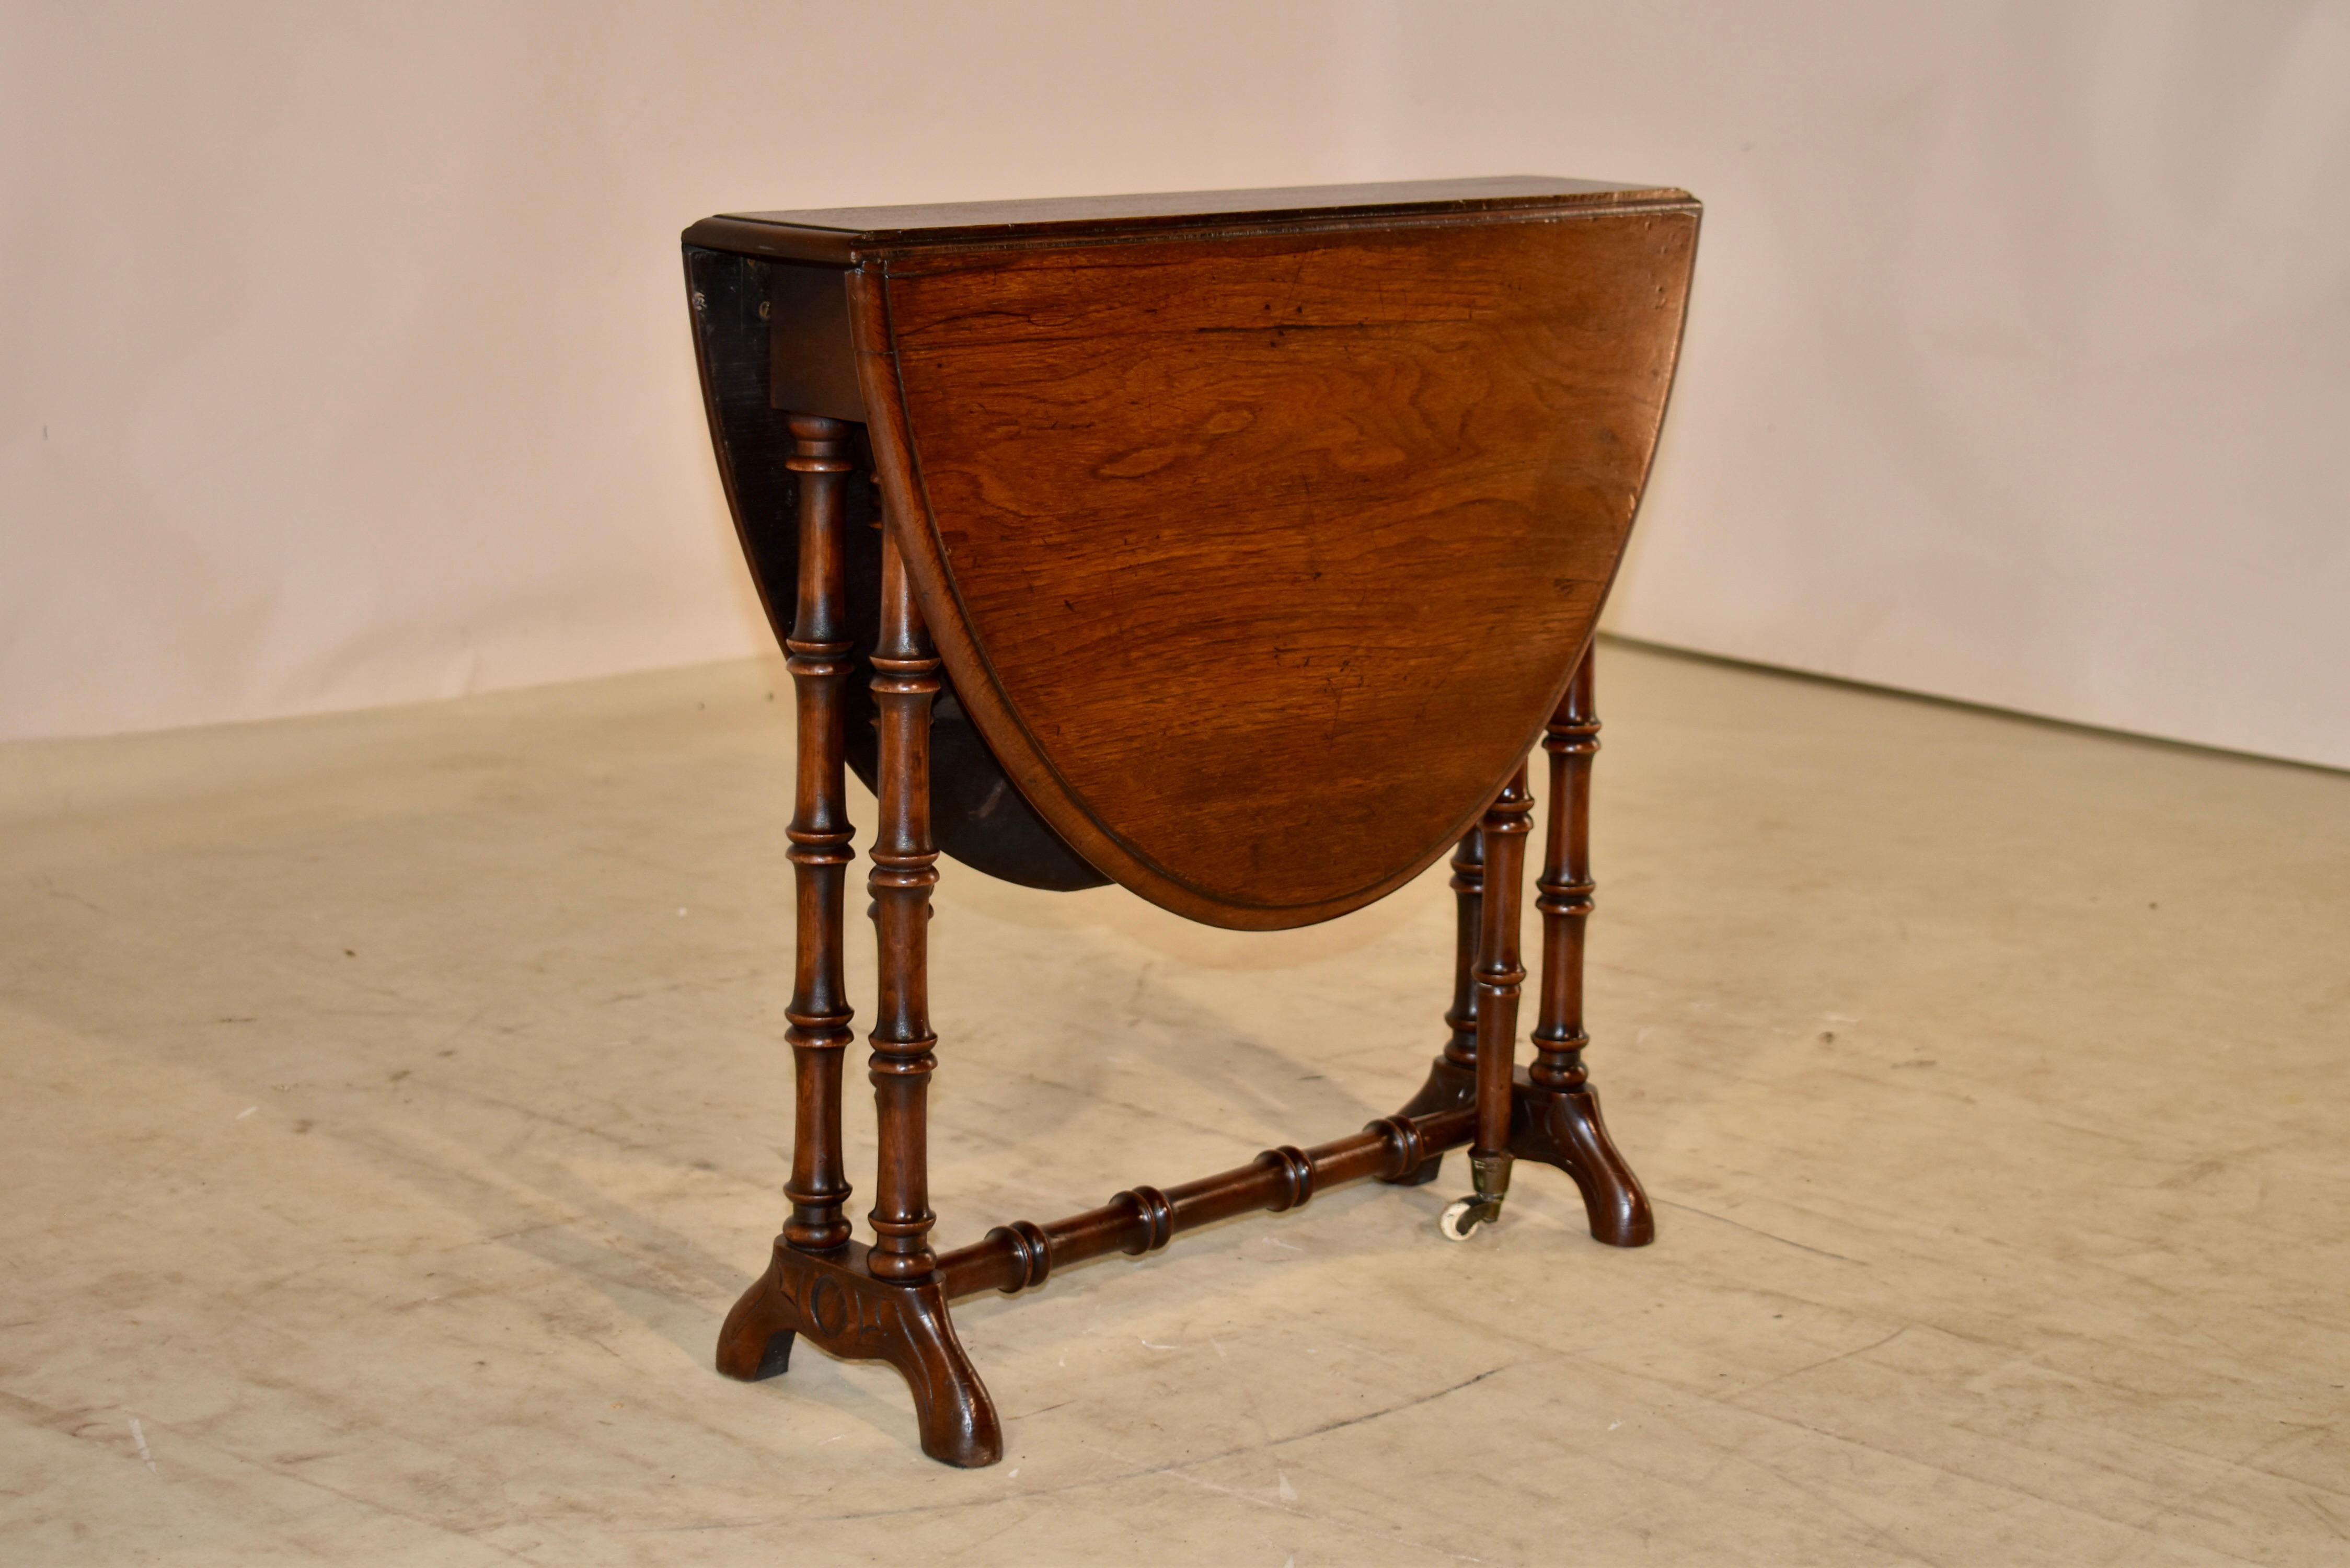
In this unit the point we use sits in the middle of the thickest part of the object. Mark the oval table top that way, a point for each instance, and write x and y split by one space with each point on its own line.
1261 534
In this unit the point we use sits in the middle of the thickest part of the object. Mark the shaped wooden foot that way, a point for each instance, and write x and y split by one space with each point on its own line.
1560 1127
1563 1127
834 1302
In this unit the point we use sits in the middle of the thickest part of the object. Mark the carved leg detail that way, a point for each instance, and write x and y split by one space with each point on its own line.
839 1307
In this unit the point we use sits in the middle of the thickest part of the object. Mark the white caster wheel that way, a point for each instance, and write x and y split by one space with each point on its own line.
1462 1216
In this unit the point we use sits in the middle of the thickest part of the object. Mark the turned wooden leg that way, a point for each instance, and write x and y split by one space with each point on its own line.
820 832
959 1421
1500 976
905 870
820 667
885 1303
1468 924
1458 1057
1563 1116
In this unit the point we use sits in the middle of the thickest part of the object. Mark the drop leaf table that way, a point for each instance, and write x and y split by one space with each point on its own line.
1236 547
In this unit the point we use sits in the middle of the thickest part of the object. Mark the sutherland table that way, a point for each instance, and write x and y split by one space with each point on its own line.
1235 547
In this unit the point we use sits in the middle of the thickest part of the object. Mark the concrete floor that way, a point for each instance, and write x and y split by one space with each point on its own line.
394 1106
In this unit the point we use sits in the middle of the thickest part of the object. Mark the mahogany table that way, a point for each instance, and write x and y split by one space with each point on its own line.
1236 547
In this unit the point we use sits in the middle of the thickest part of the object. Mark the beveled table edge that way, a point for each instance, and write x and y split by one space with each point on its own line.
827 236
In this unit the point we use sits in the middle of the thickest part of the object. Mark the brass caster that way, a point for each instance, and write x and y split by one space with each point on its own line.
1462 1215
1461 1218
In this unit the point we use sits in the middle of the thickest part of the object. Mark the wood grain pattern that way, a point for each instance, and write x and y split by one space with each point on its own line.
773 340
1261 560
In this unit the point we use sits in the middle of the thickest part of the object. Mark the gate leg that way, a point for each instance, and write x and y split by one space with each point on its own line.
1500 979
886 1303
1555 1114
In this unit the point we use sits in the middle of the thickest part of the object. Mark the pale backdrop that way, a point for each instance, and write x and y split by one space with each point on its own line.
343 356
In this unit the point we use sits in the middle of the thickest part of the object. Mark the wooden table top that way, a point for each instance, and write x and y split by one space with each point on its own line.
1259 530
